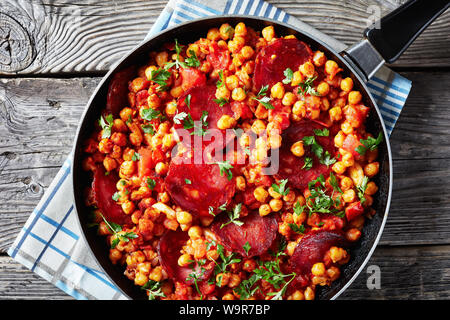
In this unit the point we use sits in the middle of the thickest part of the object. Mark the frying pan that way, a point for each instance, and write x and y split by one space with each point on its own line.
394 34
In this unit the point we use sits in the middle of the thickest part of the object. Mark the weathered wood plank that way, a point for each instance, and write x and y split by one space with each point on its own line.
40 117
66 37
403 275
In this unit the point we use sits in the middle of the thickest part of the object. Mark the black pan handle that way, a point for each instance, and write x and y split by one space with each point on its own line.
389 37
395 32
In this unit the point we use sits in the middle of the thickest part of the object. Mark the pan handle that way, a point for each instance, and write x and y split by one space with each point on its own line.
388 38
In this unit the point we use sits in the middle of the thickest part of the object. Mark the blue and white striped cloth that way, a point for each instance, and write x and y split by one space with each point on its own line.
50 243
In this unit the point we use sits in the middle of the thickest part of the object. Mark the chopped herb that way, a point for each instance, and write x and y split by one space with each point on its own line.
148 128
161 76
211 211
221 102
317 149
188 181
179 117
327 159
369 144
288 73
188 123
136 156
225 167
223 207
129 120
116 229
221 81
334 183
322 133
263 91
362 189
300 229
187 100
234 216
308 163
298 209
202 128
221 267
150 114
281 189
265 101
106 125
306 87
192 61
116 196
319 201
154 289
246 247
151 183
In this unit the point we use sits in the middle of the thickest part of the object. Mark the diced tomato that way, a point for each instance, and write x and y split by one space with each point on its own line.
158 156
218 57
280 114
141 98
241 110
351 142
146 163
354 210
356 114
191 78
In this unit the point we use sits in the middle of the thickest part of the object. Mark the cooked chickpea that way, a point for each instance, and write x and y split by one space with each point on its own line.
109 163
339 167
371 188
226 122
222 92
232 82
331 67
318 269
319 58
162 58
277 90
297 149
354 97
275 141
228 296
222 279
346 183
140 279
213 34
161 168
297 295
238 94
307 69
258 126
128 207
323 88
335 114
184 217
240 183
264 210
156 274
309 294
288 99
234 281
274 194
299 109
276 204
226 31
171 108
260 194
268 33
195 232
347 84
349 196
297 78
247 52
372 169
337 254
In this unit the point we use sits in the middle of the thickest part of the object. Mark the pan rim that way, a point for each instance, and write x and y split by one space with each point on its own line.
361 82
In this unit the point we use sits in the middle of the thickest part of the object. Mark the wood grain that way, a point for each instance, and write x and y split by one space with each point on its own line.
64 37
415 273
40 117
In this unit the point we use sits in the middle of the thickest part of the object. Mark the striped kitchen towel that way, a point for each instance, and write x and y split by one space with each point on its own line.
50 243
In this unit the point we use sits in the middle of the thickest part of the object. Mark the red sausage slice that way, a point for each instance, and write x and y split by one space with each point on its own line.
276 57
169 248
260 232
104 187
117 96
197 187
194 102
312 248
291 165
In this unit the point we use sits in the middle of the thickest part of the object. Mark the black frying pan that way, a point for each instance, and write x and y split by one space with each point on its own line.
360 62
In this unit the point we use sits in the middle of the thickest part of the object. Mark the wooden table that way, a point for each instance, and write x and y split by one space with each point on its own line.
53 54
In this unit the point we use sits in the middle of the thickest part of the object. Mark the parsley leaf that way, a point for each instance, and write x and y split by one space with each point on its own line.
116 229
369 144
322 133
188 181
263 91
151 183
192 61
106 125
150 114
234 216
221 102
198 128
300 229
308 163
161 76
136 157
246 247
225 167
362 189
148 128
116 196
221 81
306 87
265 101
288 73
281 189
179 117
187 100
154 289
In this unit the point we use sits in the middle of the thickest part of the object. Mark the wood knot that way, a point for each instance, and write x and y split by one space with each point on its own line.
16 47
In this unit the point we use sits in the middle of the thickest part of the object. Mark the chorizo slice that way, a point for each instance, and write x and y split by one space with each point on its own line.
291 166
259 232
169 248
275 58
117 96
198 187
104 187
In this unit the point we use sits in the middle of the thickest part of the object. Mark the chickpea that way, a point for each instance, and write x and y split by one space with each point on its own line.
119 126
184 217
354 97
176 91
307 69
274 194
372 169
127 168
290 248
264 210
148 72
226 122
240 183
171 108
156 274
213 34
260 194
309 294
277 90
288 99
109 163
333 273
238 94
162 58
339 167
318 269
276 204
247 52
346 128
335 114
223 93
371 188
346 183
349 196
331 67
323 88
234 281
236 44
195 232
299 109
222 279
249 265
297 295
297 149
297 78
232 82
140 279
161 168
337 254
258 126
128 207
353 234
275 141
268 33
226 31
319 58
228 296
347 84
240 30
